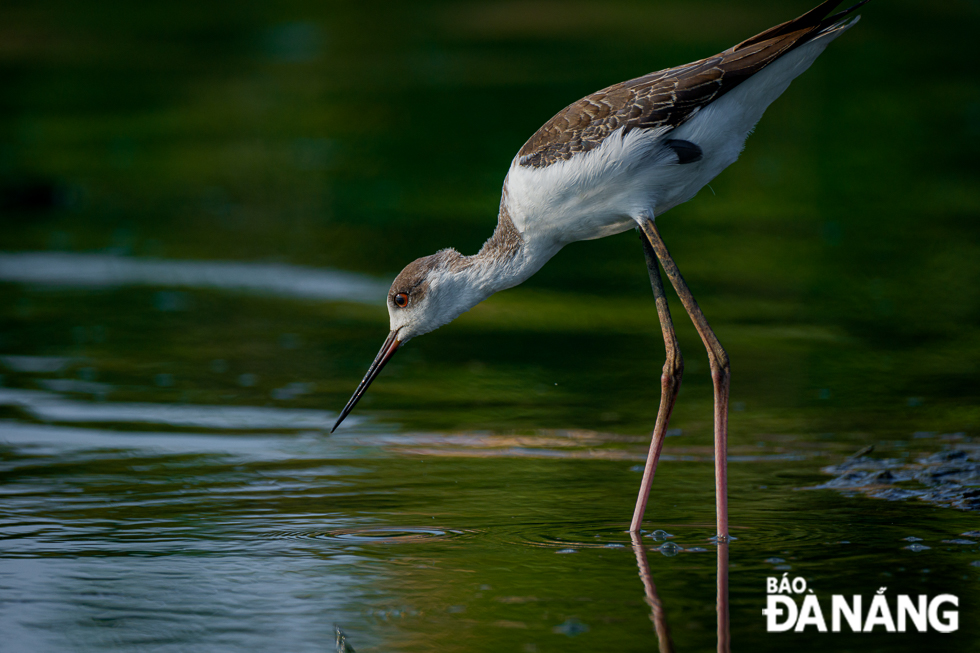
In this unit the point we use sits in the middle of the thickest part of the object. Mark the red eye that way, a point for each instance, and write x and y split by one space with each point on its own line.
401 300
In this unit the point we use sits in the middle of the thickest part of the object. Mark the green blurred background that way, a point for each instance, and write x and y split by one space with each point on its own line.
838 260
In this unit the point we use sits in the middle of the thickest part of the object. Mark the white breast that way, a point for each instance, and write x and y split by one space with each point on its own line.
590 195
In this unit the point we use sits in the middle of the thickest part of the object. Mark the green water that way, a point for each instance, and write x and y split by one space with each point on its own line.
168 478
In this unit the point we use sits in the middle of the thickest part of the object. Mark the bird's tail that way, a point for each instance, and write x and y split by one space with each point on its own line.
813 23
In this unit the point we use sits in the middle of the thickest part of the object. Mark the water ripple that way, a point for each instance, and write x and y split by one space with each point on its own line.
95 270
376 535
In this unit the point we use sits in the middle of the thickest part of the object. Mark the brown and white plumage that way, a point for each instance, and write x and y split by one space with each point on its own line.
668 98
607 163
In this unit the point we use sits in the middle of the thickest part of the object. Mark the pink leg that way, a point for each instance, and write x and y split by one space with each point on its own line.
720 374
670 383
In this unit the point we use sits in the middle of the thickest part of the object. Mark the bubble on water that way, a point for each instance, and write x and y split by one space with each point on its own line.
971 534
917 547
614 546
566 551
774 561
697 549
669 549
782 567
456 609
660 535
912 538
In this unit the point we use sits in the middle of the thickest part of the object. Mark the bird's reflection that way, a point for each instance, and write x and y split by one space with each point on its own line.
657 614
721 603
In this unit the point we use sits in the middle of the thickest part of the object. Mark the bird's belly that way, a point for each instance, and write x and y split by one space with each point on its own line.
587 197
586 219
611 228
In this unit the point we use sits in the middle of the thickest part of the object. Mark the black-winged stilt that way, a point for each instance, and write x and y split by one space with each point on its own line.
613 161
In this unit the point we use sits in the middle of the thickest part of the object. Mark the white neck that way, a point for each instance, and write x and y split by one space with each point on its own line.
508 259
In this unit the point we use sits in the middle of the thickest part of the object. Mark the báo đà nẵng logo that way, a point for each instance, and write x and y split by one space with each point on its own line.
790 605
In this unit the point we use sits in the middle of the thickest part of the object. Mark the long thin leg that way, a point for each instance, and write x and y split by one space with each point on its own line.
720 372
670 383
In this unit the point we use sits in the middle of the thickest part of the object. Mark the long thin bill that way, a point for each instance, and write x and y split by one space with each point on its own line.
387 351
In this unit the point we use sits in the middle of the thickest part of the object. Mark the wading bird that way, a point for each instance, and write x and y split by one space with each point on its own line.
614 161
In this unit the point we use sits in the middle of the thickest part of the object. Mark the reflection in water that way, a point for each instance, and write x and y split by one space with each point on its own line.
657 613
724 642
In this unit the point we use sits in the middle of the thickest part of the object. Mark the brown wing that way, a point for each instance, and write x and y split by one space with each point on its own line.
669 97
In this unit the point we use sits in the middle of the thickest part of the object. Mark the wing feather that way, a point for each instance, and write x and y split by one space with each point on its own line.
667 98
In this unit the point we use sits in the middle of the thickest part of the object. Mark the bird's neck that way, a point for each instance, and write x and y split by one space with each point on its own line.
507 259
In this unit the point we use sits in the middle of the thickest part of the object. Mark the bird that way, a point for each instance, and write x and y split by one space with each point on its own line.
613 161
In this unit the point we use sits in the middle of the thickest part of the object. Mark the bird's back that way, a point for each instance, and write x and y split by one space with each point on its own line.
650 143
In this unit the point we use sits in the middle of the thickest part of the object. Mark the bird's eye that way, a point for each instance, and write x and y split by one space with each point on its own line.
401 300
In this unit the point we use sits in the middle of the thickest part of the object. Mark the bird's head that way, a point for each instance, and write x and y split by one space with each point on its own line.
429 292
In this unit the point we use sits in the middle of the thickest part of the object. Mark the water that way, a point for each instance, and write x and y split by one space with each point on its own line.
223 540
202 208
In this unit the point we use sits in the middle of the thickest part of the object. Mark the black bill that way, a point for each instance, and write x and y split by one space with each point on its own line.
387 351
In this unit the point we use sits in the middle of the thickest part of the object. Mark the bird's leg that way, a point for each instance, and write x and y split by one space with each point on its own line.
670 383
720 373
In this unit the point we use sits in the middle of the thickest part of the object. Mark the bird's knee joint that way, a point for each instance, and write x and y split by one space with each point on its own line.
720 368
721 375
673 367
670 382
